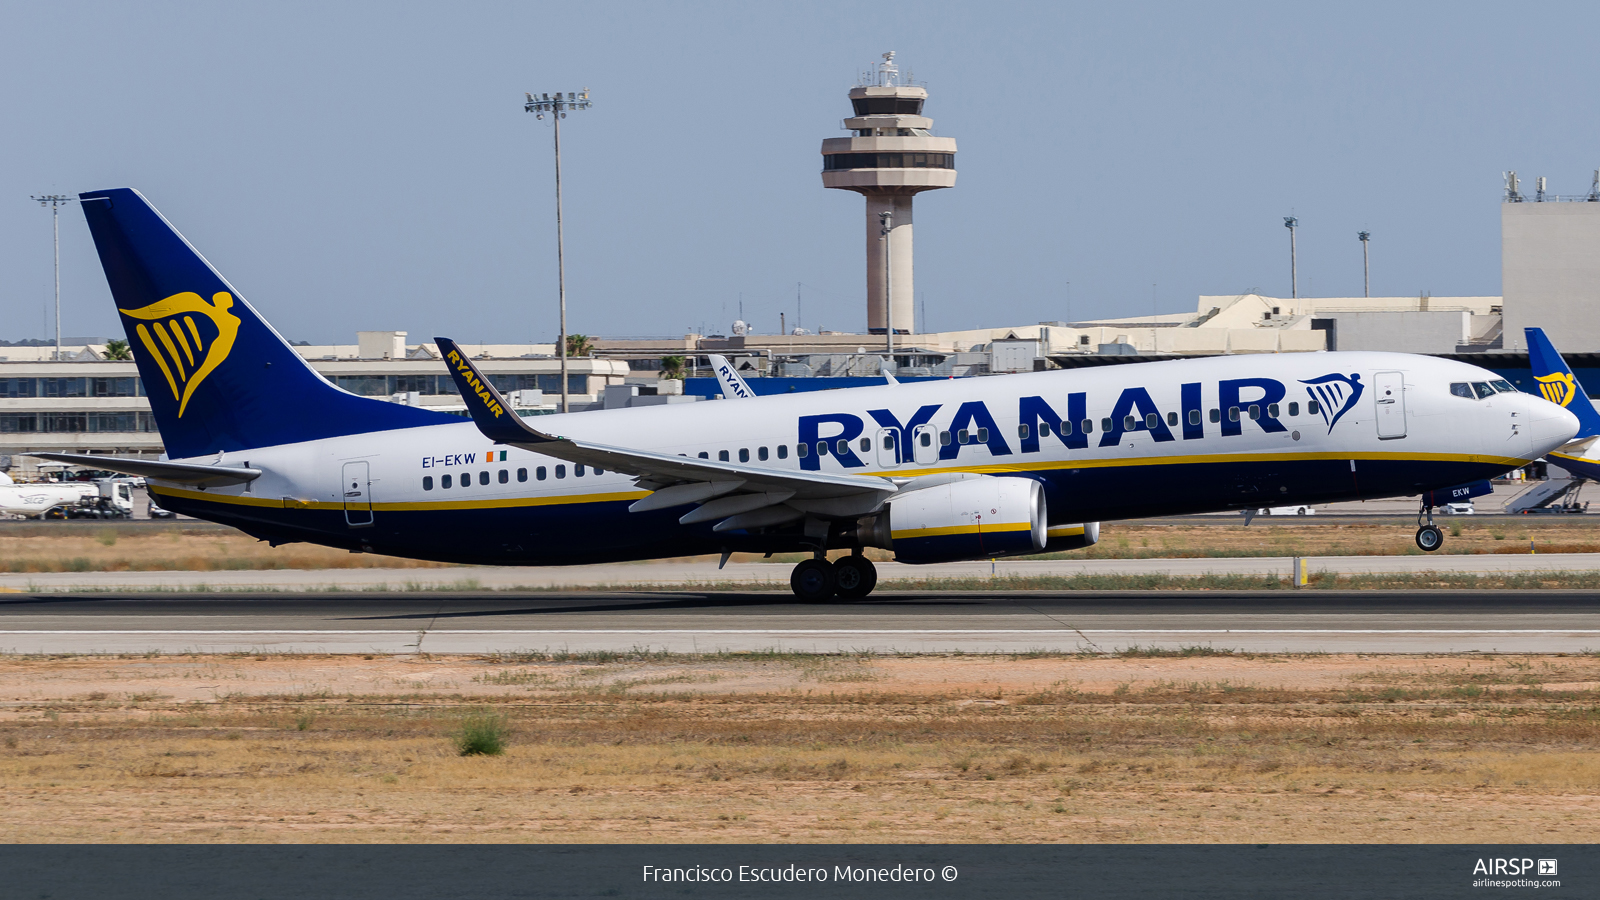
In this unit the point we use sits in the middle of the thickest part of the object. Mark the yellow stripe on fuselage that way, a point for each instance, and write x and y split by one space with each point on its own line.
986 469
959 529
501 503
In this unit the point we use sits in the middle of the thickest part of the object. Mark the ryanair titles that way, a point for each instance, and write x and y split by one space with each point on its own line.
1257 400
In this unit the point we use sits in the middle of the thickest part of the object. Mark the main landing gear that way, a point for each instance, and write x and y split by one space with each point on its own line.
1429 537
817 580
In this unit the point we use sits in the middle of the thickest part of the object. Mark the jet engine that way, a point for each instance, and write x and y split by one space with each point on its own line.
973 518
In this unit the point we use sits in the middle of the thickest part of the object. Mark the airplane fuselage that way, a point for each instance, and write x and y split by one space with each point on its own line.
1106 443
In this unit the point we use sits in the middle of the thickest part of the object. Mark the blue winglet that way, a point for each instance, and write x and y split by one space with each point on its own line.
489 410
1557 383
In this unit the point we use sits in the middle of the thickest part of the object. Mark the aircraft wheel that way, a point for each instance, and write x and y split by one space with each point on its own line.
1430 538
854 577
812 580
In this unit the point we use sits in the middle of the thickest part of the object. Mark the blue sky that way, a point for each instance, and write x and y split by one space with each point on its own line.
368 166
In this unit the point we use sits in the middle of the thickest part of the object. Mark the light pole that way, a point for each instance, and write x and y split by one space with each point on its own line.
1366 268
557 108
55 202
1291 223
886 222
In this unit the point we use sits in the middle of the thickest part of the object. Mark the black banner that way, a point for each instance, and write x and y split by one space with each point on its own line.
132 872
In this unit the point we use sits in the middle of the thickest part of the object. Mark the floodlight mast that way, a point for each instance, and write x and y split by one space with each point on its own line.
557 108
1291 223
55 202
1366 268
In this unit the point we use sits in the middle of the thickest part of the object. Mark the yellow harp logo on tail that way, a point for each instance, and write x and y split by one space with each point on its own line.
187 337
1557 387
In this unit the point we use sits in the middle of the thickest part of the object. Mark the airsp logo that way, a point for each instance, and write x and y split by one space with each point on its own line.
1336 395
1557 387
184 351
1503 866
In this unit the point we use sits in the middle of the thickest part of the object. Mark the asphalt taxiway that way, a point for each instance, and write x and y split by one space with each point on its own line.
691 621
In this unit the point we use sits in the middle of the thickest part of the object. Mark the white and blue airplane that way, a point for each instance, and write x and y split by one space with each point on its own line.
934 471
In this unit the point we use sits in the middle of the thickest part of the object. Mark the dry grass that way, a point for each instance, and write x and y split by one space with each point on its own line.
147 547
1313 537
1215 747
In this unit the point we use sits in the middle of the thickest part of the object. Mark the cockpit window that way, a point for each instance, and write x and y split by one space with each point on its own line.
1461 389
1503 387
1483 389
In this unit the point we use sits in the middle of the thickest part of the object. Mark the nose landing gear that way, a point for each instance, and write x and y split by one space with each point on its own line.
1429 536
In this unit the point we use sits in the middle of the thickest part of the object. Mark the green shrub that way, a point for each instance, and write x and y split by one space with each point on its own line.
483 735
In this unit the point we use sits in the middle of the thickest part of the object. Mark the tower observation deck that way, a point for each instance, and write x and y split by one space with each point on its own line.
889 157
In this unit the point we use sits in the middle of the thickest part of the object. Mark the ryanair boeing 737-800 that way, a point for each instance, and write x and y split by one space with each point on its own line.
935 471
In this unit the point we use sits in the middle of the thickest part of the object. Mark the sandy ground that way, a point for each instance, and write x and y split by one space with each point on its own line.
761 747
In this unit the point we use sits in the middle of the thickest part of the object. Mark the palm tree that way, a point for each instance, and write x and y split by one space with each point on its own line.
672 366
118 350
579 345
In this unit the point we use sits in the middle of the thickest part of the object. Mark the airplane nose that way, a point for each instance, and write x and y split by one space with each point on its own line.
1549 425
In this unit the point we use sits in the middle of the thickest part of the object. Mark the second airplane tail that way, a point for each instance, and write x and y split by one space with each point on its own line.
1557 383
219 378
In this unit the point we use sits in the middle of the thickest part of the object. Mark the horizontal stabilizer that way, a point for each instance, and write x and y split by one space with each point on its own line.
178 473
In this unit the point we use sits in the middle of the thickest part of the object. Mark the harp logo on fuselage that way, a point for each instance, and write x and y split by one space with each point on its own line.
187 338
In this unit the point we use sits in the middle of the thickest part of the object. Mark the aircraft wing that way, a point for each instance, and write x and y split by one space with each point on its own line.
178 473
679 480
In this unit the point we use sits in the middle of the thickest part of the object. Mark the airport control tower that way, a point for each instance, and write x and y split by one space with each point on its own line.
889 157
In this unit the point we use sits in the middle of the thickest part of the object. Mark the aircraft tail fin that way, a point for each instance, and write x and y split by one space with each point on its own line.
218 377
1557 383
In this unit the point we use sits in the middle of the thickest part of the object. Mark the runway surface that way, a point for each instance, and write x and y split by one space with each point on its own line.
463 622
702 573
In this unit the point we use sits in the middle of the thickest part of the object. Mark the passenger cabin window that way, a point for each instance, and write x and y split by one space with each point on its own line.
744 454
483 477
427 482
1151 420
1272 410
444 482
1255 411
722 455
522 474
577 471
1313 407
761 454
505 476
561 471
944 438
1294 409
1216 416
983 435
1105 424
866 444
599 471
783 451
1087 425
704 455
1233 414
539 473
1129 423
841 448
466 479
1483 389
1172 418
822 448
1022 431
1194 417
961 436
1044 429
926 439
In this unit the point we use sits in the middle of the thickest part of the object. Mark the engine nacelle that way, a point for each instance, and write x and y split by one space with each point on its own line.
973 518
1072 537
